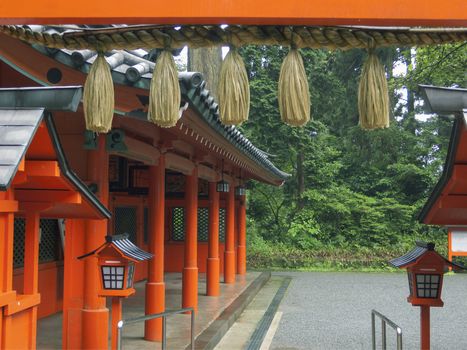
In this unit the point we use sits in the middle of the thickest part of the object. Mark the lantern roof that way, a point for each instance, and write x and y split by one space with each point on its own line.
418 252
124 246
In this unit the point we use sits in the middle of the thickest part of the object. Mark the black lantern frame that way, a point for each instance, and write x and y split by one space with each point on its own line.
222 186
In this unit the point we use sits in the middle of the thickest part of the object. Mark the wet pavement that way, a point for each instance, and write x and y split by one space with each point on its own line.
332 311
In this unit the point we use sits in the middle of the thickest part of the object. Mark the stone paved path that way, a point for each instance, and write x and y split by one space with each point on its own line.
331 311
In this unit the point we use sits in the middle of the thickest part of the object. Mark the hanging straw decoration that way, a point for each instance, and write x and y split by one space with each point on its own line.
293 90
164 94
234 90
98 96
373 97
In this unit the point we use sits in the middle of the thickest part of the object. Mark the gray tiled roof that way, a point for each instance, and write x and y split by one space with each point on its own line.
17 129
135 67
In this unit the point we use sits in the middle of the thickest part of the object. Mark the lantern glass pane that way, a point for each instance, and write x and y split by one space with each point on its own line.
112 276
428 286
131 273
409 275
222 187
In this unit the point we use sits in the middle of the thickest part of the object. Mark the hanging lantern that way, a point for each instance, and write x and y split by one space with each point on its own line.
98 96
240 191
222 186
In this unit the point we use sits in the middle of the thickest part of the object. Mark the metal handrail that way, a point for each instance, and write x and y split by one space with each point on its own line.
384 321
129 321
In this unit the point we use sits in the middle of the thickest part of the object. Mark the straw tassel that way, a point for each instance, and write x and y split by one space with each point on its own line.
234 90
164 94
293 90
373 97
98 96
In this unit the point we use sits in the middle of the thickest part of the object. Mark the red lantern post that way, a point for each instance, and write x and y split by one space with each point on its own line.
116 259
425 270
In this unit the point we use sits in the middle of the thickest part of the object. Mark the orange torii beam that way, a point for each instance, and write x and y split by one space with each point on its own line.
265 12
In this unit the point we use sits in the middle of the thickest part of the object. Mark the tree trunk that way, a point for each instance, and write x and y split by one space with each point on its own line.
300 179
207 61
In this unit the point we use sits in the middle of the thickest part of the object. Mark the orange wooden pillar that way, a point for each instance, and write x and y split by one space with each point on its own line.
212 272
241 249
31 268
229 254
73 290
155 286
190 269
95 315
425 327
7 209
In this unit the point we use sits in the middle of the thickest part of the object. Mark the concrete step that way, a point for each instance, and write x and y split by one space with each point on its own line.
211 336
255 327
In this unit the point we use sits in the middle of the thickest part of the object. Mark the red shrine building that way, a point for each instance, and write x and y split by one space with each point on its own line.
178 192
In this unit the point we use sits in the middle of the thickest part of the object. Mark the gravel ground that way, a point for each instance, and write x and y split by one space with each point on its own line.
332 311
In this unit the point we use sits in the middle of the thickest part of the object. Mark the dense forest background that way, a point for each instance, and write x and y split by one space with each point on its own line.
353 197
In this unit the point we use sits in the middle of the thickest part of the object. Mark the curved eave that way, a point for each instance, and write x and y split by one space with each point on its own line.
428 210
70 175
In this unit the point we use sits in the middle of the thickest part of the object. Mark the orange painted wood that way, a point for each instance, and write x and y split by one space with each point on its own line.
21 165
424 327
6 298
330 12
22 303
212 273
31 254
94 313
241 248
190 269
116 317
73 289
50 287
8 206
42 168
229 254
155 286
9 327
51 196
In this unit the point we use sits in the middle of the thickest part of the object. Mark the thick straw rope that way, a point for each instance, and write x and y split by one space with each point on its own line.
152 36
373 98
164 94
234 90
293 92
98 97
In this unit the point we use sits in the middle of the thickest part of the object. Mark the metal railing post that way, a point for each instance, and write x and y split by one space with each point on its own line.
192 329
119 335
164 325
383 334
384 321
399 338
164 334
373 331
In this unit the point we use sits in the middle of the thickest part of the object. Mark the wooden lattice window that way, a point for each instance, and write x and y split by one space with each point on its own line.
125 221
